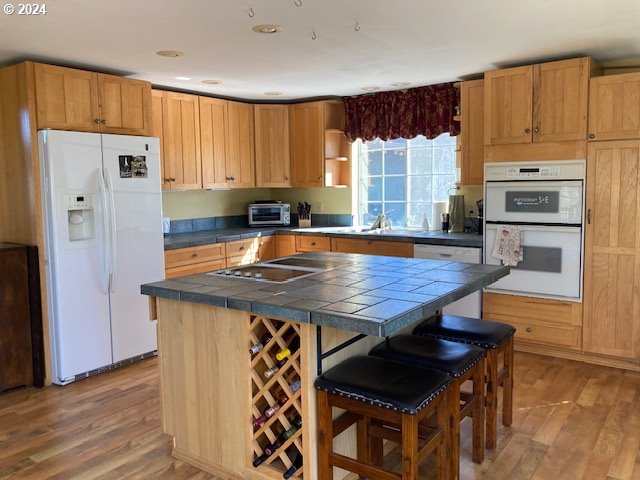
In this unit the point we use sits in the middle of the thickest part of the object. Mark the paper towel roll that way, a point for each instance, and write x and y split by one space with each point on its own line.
438 209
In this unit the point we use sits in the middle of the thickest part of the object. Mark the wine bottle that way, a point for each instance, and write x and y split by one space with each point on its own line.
294 345
260 345
297 464
270 412
258 460
270 449
259 421
295 386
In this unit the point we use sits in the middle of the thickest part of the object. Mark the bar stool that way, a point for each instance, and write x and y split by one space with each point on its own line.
497 339
462 362
378 395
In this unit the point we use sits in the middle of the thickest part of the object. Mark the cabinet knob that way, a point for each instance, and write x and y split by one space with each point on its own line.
242 247
527 130
313 243
103 121
194 254
96 121
529 329
169 179
592 135
536 130
233 178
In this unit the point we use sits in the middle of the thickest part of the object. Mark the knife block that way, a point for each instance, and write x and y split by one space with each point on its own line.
304 222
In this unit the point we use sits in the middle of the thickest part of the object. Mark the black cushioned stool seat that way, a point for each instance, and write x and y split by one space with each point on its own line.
461 361
497 339
386 399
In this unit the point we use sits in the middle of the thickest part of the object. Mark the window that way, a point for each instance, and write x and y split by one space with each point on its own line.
402 178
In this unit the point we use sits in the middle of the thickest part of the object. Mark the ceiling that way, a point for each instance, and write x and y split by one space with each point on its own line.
358 43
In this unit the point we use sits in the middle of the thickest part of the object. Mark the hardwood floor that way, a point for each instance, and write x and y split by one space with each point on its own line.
571 421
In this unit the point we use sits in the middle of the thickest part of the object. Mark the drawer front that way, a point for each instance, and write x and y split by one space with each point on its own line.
350 245
190 255
395 249
194 268
239 248
531 309
246 259
552 335
309 243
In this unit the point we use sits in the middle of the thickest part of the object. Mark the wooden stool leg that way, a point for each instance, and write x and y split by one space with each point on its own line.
492 398
507 386
445 458
454 427
325 436
409 447
376 445
478 413
364 449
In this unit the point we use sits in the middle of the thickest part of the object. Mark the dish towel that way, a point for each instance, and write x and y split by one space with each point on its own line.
508 244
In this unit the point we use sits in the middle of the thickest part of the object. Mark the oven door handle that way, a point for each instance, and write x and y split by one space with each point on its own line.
536 227
533 183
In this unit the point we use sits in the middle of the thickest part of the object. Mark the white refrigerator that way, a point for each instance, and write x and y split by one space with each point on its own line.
102 205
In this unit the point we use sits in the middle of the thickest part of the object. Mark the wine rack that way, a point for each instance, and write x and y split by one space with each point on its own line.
268 392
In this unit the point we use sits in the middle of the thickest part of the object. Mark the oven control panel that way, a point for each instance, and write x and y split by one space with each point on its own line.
532 172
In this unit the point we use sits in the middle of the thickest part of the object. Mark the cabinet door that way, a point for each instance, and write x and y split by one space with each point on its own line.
508 105
213 142
66 98
285 245
614 107
612 250
240 148
125 105
181 124
307 145
272 146
472 132
266 248
560 100
157 101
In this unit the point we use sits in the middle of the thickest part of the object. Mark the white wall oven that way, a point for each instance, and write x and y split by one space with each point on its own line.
545 202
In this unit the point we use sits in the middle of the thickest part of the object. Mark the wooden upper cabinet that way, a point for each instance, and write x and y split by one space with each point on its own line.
307 144
66 98
612 250
181 142
537 103
124 105
614 107
508 105
240 146
157 101
71 99
213 142
472 132
272 146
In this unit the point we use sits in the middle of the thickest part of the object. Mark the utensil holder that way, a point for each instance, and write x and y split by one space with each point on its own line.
304 222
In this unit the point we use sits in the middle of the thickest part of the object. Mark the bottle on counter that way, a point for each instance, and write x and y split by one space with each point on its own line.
292 348
425 223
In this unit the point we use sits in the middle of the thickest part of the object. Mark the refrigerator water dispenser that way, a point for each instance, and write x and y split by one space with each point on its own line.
80 217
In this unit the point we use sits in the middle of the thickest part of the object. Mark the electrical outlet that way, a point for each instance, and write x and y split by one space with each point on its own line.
320 207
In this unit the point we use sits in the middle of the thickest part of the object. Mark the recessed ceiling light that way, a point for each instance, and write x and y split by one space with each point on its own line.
169 53
370 88
183 78
212 82
267 28
400 84
273 93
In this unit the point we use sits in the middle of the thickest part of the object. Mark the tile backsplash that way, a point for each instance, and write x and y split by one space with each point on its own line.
242 221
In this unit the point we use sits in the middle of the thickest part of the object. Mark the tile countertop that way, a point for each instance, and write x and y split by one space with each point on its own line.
181 240
369 294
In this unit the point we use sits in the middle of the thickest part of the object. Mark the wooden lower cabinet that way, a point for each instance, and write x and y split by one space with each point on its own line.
539 321
192 260
285 245
372 247
312 243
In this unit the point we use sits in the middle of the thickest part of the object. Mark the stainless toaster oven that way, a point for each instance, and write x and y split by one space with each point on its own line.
271 214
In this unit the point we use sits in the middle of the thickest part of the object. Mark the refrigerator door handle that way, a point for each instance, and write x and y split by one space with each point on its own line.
113 270
106 247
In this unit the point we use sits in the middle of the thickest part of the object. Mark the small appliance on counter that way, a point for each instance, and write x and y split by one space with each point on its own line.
269 213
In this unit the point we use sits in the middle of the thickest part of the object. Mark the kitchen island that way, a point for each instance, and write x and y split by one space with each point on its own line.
335 305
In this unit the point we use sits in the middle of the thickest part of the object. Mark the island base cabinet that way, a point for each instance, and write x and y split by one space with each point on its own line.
214 390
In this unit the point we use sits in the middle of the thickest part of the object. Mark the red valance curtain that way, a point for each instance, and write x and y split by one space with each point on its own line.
427 111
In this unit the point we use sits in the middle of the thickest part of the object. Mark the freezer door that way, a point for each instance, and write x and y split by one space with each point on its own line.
132 167
75 253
